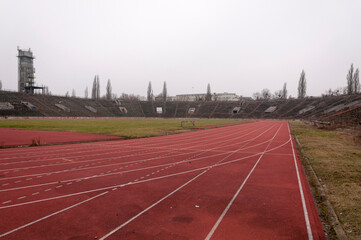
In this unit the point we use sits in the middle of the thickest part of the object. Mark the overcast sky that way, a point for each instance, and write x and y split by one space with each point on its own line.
236 46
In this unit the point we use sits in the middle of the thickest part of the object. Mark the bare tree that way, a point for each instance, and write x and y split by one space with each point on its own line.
164 93
302 85
46 90
130 97
109 90
277 94
1 85
349 78
257 96
67 94
86 92
284 91
356 81
150 92
209 94
266 94
94 89
73 93
335 92
98 88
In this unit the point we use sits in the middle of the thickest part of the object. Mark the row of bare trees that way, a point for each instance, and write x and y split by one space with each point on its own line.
266 93
163 95
96 90
353 81
353 87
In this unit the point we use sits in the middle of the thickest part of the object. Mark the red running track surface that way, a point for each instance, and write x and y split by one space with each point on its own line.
236 182
15 137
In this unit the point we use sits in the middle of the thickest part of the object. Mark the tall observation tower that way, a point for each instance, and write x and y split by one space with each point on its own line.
26 71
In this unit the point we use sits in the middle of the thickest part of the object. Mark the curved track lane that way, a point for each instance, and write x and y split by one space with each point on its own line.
235 182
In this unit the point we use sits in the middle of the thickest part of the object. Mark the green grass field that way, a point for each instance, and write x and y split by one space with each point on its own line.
129 128
336 159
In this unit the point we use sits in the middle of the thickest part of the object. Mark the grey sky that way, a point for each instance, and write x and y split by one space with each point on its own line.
236 46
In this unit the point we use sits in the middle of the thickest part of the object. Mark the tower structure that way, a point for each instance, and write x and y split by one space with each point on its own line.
26 71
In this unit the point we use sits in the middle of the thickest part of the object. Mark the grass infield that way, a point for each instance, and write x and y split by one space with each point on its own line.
336 159
125 127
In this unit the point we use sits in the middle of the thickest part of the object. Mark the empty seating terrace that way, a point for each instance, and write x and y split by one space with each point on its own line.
307 108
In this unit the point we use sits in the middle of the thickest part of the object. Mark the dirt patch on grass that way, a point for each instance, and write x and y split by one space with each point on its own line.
336 160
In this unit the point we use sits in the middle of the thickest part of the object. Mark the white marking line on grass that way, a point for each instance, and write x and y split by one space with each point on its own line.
305 212
210 234
55 213
151 206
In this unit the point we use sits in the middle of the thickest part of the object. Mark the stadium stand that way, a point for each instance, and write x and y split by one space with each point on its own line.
6 106
90 108
271 109
29 105
331 108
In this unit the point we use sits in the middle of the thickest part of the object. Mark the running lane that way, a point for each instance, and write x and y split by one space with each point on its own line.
234 182
16 137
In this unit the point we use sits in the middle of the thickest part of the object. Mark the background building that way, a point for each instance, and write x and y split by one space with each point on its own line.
202 97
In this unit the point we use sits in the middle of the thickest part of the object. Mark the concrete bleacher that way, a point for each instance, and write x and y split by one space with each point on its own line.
6 106
270 109
56 106
148 108
182 109
169 109
29 105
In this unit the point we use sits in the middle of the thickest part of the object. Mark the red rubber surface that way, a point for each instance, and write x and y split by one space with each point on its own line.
15 137
235 182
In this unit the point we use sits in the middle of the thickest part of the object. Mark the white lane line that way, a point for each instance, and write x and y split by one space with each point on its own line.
159 201
5 184
147 180
116 173
215 226
6 202
47 190
50 215
59 186
21 197
305 212
153 157
35 193
223 136
151 206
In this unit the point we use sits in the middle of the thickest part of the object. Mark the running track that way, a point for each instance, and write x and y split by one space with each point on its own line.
16 137
235 182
